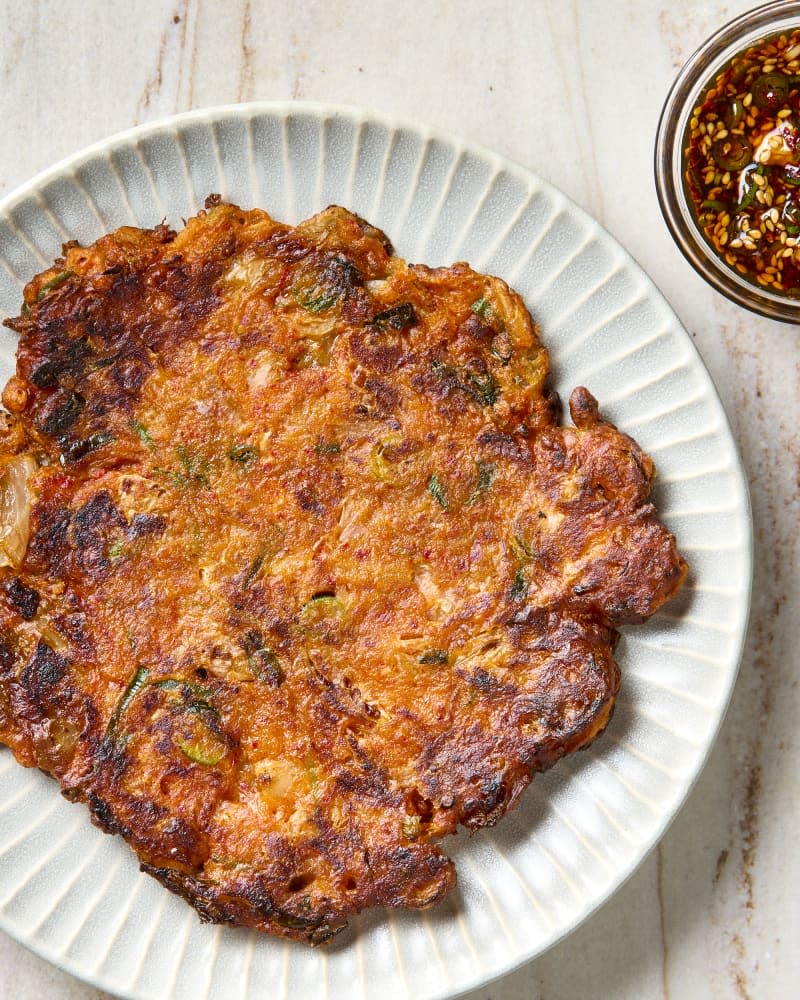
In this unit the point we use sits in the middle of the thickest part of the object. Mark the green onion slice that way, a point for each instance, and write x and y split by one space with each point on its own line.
434 657
436 490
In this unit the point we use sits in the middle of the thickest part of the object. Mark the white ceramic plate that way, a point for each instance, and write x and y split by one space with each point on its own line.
76 896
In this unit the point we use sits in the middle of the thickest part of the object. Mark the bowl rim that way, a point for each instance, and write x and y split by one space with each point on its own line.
695 74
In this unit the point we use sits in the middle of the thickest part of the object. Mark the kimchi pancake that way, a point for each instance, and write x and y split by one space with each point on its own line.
299 569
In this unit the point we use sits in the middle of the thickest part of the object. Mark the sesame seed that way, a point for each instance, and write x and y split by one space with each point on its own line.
756 242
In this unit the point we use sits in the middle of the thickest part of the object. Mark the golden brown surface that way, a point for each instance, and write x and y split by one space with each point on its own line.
314 576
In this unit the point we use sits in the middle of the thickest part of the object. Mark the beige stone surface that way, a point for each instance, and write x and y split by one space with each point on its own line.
573 91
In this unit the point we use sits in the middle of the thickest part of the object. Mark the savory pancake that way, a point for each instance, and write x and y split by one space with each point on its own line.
299 570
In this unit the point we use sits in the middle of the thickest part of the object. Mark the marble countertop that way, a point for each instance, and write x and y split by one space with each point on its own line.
573 91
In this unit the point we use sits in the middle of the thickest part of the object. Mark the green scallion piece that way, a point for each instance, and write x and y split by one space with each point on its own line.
116 549
485 387
135 685
252 573
521 548
485 479
434 657
482 307
436 490
313 777
502 347
411 825
327 448
244 454
196 466
143 434
519 588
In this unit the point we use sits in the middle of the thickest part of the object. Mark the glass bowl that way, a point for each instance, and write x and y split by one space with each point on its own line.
698 73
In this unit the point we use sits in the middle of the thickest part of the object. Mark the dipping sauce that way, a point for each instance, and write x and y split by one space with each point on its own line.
742 164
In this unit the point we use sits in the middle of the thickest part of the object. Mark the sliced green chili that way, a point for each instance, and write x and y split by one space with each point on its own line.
771 91
206 753
734 113
732 153
319 609
55 282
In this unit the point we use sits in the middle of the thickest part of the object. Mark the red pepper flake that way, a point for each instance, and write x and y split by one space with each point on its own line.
741 164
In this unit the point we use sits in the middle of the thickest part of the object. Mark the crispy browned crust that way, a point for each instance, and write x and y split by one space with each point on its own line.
314 575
